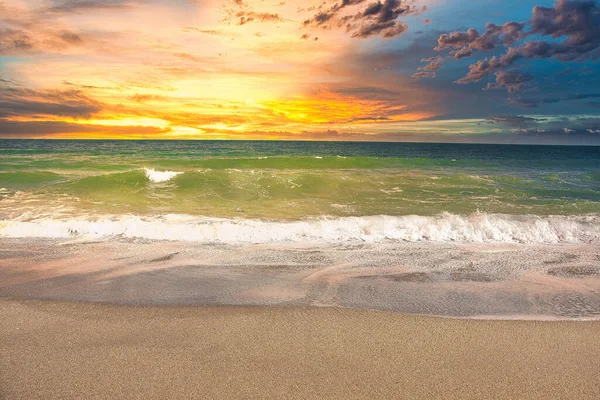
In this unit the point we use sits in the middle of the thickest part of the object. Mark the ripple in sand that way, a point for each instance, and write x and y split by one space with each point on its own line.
435 276
574 271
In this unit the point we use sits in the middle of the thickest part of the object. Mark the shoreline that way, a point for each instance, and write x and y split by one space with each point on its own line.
459 281
55 350
479 317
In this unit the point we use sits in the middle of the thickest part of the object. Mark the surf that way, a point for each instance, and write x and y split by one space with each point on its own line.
443 228
160 176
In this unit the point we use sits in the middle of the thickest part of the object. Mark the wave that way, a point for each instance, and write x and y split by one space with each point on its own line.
475 228
160 176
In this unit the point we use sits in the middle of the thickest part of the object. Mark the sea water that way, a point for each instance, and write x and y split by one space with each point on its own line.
272 192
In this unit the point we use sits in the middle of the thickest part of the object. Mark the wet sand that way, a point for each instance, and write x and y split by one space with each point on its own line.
480 281
52 350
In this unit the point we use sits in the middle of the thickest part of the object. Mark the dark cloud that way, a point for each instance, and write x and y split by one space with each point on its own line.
320 18
15 41
428 71
27 102
70 37
378 18
561 127
572 25
530 103
8 81
387 29
25 42
583 96
513 81
66 6
536 102
47 128
559 132
483 68
514 120
464 43
244 17
577 20
80 86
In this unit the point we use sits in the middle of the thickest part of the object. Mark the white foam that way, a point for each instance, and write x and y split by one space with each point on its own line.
160 176
476 228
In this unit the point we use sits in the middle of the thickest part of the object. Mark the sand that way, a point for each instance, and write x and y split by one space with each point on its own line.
550 281
53 350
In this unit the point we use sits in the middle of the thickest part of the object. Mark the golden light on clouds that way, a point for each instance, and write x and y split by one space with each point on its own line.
189 69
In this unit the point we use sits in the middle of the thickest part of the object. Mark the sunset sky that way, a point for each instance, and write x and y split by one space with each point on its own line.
515 71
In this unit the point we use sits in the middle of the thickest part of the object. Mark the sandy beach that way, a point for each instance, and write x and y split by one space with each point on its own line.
52 350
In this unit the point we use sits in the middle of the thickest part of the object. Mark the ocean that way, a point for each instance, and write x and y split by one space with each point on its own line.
478 231
278 192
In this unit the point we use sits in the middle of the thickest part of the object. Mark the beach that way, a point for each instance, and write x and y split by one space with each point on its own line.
499 281
54 350
318 199
150 269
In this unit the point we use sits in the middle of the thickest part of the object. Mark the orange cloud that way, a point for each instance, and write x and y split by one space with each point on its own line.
177 70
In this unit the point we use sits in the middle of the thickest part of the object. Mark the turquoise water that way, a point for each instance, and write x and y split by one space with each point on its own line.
284 182
291 180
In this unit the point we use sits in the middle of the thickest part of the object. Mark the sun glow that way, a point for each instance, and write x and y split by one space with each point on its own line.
207 73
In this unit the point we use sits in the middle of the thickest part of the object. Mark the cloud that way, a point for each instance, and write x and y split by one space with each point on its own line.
378 18
24 129
245 17
387 29
64 103
464 43
14 41
434 63
74 6
428 71
533 102
70 37
558 127
211 32
573 28
421 75
189 57
578 21
144 98
514 120
513 81
565 132
483 68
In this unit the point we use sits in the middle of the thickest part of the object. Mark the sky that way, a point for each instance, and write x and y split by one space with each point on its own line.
476 71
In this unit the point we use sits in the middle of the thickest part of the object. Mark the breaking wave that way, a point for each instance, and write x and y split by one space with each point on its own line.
160 176
475 228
